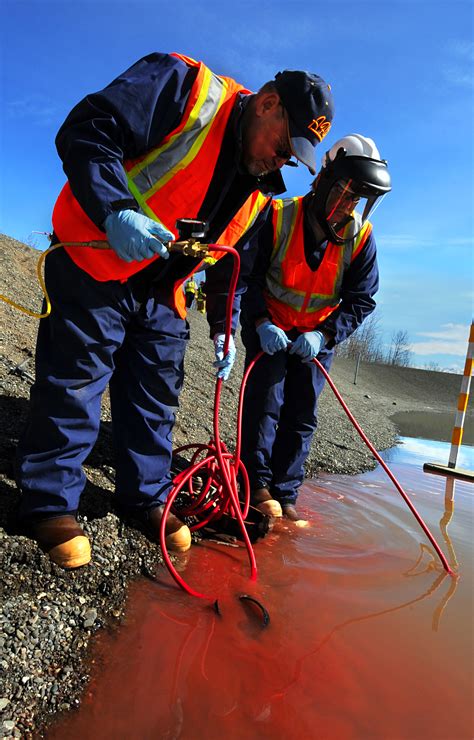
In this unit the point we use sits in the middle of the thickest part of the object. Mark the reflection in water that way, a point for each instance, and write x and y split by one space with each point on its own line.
435 622
366 633
448 515
412 451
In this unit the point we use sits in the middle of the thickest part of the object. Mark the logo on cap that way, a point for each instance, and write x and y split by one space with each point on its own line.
320 127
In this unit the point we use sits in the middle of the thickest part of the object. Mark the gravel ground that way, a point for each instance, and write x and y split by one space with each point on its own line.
47 615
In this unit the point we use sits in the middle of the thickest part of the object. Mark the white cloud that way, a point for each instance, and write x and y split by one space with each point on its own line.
449 331
411 241
461 48
458 70
450 339
38 109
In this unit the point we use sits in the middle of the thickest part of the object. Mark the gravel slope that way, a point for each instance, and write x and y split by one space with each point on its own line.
47 615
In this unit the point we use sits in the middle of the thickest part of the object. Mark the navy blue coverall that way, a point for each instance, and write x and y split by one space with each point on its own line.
125 334
280 406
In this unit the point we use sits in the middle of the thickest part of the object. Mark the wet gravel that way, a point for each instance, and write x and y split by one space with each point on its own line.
48 616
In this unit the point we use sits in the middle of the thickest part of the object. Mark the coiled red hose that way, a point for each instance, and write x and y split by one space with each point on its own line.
216 465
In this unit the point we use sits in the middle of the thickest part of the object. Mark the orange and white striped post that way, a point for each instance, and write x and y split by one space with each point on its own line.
463 398
450 469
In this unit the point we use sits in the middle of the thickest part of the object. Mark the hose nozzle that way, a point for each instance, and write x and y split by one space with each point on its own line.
190 230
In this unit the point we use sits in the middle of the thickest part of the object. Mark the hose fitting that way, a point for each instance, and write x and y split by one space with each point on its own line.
190 248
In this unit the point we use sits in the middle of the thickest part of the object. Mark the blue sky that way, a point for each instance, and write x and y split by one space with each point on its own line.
401 73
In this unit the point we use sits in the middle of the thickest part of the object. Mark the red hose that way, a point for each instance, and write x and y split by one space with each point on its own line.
220 493
374 452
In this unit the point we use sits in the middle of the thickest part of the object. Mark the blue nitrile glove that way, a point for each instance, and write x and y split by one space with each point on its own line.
308 345
130 235
224 364
272 338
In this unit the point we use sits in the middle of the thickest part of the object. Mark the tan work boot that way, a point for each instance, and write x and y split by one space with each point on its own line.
178 534
63 539
262 499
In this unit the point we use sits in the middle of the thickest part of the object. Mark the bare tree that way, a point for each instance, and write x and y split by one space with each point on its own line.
400 349
365 342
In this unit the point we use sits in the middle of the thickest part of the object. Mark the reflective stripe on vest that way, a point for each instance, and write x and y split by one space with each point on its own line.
295 295
169 182
147 179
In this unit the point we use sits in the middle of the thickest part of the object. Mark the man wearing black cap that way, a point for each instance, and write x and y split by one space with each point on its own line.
167 139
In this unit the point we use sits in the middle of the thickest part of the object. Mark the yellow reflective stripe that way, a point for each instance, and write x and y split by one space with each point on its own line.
188 125
143 204
320 302
258 206
278 205
286 218
183 163
360 236
287 212
290 296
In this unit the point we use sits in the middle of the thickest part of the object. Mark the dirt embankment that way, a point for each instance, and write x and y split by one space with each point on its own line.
48 616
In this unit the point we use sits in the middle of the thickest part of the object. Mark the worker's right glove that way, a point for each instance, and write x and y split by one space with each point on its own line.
308 345
272 338
224 364
134 236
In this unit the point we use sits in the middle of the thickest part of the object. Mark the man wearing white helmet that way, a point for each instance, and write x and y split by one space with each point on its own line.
312 285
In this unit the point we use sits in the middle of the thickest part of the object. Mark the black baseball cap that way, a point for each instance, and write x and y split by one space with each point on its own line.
308 101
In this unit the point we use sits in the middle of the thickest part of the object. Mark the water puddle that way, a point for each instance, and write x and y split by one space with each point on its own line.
418 451
368 638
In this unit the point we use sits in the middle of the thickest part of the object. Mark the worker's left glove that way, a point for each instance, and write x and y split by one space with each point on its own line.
134 236
224 364
272 338
308 345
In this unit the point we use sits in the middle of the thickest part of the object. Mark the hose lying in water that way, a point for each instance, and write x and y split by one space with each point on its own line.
372 449
397 485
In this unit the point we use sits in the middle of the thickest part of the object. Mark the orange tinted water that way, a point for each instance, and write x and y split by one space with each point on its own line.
368 638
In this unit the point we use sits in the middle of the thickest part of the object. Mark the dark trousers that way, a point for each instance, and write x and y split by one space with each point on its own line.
279 417
100 333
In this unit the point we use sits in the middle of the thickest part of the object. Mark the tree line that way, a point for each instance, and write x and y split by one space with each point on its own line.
367 343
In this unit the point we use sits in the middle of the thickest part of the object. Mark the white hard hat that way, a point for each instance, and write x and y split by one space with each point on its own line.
355 145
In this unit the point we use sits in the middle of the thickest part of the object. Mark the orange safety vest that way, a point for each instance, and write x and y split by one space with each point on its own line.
297 297
168 182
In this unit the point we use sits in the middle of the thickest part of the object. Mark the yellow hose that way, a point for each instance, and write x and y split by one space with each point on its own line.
188 247
42 257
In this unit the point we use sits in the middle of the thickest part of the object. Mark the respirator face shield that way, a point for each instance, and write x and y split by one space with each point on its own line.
345 203
347 191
